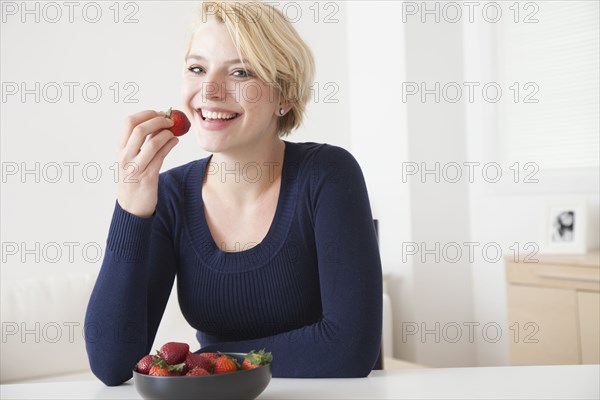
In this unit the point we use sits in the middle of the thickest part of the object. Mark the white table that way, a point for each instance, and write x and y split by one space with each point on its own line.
568 382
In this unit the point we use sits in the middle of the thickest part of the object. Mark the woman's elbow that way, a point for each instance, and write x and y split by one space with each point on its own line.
111 376
110 370
363 354
357 370
360 366
351 367
356 359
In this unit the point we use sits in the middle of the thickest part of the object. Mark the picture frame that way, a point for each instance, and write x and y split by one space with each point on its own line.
564 228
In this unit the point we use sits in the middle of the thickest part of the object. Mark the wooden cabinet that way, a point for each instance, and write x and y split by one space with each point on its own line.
589 327
554 310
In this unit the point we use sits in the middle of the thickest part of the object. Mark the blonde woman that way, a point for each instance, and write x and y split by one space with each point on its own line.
272 242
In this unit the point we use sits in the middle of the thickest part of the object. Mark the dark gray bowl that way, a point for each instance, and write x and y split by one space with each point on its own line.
235 385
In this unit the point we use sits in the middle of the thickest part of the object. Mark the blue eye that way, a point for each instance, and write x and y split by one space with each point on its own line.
196 69
245 73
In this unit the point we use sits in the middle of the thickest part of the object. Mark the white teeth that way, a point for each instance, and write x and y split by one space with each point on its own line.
217 115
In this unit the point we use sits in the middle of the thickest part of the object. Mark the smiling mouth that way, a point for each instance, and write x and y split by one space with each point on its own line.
216 116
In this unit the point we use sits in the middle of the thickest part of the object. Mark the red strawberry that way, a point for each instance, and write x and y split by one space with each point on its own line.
255 359
174 352
157 370
247 364
198 361
181 123
225 364
143 366
161 368
211 356
197 372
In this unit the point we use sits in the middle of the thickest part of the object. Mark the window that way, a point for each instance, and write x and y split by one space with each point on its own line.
551 68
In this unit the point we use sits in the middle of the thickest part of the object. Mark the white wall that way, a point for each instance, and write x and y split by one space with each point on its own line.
387 132
376 68
440 210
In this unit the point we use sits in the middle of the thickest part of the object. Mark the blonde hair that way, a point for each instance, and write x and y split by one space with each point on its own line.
275 50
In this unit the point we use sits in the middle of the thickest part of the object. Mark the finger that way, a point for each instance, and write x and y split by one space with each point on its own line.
141 131
157 161
151 147
131 122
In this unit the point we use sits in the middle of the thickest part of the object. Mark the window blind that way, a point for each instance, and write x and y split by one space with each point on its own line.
549 73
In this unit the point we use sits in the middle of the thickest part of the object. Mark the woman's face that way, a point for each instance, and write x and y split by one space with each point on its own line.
230 107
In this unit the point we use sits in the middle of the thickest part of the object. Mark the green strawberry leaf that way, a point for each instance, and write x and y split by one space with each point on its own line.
176 367
260 357
160 362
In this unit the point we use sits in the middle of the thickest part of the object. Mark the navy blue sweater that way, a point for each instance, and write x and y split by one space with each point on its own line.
310 292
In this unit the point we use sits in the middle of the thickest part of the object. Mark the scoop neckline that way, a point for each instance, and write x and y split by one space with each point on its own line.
207 250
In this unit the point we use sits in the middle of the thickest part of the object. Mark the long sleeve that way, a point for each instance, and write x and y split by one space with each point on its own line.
345 342
130 294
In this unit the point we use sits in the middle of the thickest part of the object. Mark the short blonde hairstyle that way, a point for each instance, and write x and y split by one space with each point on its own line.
278 55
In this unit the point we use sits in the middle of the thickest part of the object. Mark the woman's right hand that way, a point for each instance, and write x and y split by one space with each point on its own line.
140 160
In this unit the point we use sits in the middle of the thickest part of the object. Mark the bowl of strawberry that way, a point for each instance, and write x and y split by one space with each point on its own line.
174 372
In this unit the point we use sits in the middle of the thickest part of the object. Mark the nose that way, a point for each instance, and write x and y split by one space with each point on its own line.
214 88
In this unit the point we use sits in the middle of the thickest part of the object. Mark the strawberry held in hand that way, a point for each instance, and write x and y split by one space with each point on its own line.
181 123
